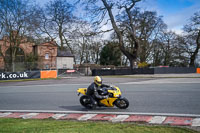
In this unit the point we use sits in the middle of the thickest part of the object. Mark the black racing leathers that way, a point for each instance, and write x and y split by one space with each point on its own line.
92 90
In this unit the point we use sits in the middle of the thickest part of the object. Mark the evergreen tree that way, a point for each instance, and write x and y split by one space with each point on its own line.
110 54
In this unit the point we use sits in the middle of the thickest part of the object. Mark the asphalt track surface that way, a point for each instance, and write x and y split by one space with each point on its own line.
146 95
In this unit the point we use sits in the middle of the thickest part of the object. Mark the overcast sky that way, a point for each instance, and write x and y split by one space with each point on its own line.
176 13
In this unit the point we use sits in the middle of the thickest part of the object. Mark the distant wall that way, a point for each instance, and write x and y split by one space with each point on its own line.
165 70
175 70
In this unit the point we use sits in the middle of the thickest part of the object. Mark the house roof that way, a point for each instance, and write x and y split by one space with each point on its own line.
64 54
51 43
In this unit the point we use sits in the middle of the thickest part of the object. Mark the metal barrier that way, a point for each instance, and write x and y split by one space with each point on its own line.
69 73
169 70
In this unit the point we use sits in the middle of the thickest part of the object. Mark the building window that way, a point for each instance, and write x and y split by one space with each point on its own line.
46 66
46 56
64 65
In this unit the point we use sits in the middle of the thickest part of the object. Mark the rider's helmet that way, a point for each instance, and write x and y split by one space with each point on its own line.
98 80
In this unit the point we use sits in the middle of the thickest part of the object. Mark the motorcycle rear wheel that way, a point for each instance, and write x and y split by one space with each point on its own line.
122 103
86 101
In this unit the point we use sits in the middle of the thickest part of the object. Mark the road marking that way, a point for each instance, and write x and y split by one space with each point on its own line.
139 118
157 120
58 116
29 115
103 117
43 116
4 114
41 85
196 122
120 118
15 115
181 121
125 83
71 116
86 117
159 82
93 112
171 120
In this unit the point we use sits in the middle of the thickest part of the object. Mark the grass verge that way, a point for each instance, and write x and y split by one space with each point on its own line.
57 126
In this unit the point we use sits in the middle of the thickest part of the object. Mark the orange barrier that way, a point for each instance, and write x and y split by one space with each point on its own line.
48 74
198 70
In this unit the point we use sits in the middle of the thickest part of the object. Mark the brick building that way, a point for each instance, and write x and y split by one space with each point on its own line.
25 48
47 53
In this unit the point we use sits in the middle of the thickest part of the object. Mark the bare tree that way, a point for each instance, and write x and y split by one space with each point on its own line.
192 30
100 10
86 43
17 18
57 22
148 26
170 49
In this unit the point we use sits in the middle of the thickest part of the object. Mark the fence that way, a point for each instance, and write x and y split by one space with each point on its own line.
26 66
19 75
168 70
70 73
18 68
15 69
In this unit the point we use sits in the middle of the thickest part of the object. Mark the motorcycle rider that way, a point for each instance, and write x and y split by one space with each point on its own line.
93 89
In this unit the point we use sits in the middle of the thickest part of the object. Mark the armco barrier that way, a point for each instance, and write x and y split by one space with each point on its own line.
168 70
48 74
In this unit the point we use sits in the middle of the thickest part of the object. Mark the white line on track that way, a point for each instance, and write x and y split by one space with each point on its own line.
42 85
125 83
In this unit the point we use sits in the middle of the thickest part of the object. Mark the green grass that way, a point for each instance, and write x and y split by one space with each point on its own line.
57 126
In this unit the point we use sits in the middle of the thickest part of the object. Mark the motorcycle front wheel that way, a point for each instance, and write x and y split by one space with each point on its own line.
86 101
122 103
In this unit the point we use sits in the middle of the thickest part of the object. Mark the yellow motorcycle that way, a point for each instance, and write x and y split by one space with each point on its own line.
114 98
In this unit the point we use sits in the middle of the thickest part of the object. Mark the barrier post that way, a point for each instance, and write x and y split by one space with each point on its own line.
198 70
48 74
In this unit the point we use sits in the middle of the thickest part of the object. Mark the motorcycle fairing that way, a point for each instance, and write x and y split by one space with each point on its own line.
108 102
